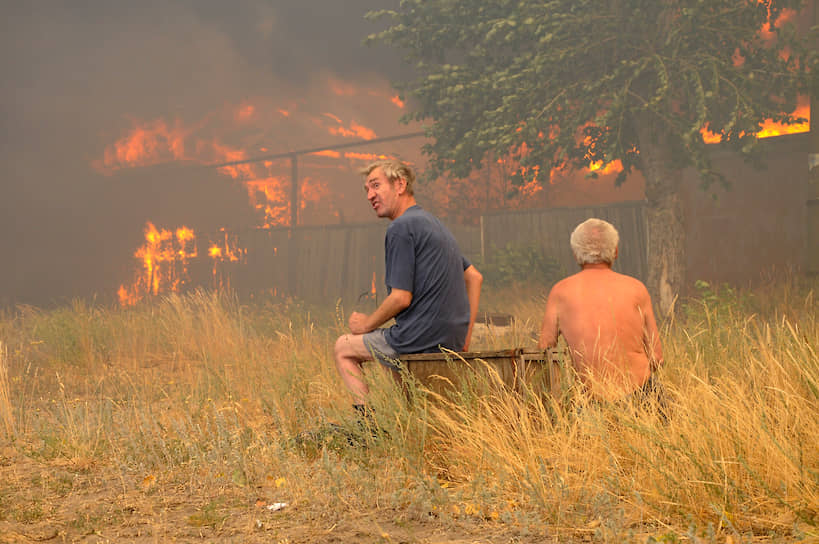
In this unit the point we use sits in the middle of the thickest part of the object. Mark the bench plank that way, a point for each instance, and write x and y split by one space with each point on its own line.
518 369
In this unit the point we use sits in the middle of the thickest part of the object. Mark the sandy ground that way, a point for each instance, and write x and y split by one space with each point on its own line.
79 501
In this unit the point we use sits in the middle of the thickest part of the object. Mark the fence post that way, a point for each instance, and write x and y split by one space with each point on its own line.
483 246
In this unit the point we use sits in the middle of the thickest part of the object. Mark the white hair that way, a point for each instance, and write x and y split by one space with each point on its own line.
594 241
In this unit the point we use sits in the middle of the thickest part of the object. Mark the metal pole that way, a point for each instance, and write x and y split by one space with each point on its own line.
346 145
294 190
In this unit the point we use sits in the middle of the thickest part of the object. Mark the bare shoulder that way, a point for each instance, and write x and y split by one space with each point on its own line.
562 286
634 285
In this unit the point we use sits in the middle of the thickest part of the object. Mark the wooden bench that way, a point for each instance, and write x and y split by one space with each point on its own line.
519 369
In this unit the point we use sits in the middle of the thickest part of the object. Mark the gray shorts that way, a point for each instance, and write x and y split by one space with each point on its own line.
381 351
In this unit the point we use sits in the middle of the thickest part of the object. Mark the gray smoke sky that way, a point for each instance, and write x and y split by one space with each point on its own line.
78 76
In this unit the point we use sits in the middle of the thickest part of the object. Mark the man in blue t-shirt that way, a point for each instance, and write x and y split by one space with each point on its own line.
433 290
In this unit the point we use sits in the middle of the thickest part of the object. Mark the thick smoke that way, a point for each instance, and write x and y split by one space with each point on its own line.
77 76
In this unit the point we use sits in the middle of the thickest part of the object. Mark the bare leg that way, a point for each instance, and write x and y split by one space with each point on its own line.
349 353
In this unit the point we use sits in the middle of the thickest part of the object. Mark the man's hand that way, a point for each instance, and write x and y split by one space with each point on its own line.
358 323
395 302
473 280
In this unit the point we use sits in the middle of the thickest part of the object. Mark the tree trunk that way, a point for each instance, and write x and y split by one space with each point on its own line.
665 222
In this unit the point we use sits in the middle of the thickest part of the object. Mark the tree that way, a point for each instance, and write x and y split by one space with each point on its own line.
564 83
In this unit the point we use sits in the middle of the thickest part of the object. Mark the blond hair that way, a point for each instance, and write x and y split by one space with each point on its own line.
394 170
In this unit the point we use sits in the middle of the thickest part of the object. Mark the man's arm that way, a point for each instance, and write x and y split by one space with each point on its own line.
651 336
397 300
473 280
550 328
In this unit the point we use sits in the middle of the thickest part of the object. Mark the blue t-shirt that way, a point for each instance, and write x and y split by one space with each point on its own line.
423 257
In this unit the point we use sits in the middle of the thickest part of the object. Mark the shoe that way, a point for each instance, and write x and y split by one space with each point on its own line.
367 423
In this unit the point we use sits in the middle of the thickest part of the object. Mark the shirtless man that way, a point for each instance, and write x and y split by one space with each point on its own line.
606 319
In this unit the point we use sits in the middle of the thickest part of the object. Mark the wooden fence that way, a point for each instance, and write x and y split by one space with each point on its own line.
550 229
328 263
317 264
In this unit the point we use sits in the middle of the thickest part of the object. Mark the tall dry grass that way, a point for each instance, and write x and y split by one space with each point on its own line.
6 414
202 395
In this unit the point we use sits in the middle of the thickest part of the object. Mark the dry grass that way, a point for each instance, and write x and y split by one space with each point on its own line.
6 413
172 419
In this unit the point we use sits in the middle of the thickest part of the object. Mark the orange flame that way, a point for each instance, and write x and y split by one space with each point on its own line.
313 190
146 144
770 127
355 130
604 169
364 156
766 33
268 196
225 251
327 153
164 263
232 135
266 193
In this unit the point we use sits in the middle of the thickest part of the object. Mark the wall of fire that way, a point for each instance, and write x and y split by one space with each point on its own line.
759 225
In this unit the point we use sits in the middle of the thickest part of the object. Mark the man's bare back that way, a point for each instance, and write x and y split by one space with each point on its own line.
608 323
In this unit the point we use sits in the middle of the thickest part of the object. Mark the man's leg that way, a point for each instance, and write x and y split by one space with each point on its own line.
349 353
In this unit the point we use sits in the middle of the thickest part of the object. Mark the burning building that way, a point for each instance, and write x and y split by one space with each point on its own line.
132 166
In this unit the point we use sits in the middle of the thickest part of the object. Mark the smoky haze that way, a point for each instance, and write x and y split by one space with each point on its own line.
78 77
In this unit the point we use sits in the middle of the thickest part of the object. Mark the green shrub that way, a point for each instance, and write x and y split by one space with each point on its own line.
519 263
